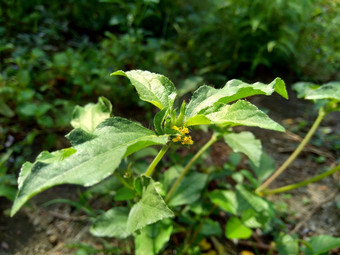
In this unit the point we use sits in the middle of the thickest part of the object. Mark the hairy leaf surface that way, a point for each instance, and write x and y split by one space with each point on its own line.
91 115
245 114
246 143
206 97
265 168
149 209
328 91
151 87
302 88
247 199
111 223
226 199
189 190
313 91
96 157
153 237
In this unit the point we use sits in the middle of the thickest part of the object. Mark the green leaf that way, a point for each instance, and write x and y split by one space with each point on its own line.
265 168
7 191
96 157
321 244
234 159
252 219
249 175
44 157
124 194
206 97
247 199
246 143
151 87
302 88
328 91
5 109
27 109
91 115
3 159
236 230
180 118
210 228
149 209
313 91
111 223
159 120
106 187
152 238
287 245
24 171
199 119
245 114
225 199
169 177
189 190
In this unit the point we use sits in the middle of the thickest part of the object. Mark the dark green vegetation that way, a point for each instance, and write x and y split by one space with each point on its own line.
58 54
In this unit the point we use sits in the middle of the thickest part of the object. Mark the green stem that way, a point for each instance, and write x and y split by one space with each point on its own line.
125 183
156 160
188 166
201 224
303 183
321 115
306 243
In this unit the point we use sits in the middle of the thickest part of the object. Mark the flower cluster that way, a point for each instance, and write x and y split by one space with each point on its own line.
183 137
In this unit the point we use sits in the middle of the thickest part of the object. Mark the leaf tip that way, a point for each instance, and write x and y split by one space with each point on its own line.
280 87
280 128
119 72
15 208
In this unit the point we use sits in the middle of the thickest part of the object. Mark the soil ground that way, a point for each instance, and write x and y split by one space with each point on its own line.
311 210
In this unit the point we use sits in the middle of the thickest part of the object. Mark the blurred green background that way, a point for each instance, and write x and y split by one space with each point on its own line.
57 54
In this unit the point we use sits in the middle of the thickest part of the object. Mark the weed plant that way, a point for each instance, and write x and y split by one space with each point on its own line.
150 203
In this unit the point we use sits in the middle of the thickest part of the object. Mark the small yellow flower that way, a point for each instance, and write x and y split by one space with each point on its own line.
178 138
184 131
176 128
187 140
182 137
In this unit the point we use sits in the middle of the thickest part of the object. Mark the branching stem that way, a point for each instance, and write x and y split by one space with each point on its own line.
283 167
188 166
193 238
303 183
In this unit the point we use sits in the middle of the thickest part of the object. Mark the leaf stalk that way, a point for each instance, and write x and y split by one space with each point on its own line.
156 160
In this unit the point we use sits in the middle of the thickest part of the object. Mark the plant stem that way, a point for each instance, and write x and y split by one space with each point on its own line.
292 157
188 166
193 238
156 160
303 183
125 183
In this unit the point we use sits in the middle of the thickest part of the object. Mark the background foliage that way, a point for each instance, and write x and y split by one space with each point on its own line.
56 54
